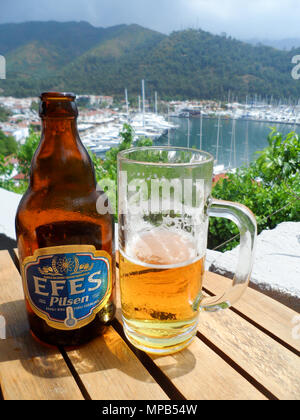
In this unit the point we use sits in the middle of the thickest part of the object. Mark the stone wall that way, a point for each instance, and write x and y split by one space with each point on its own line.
276 270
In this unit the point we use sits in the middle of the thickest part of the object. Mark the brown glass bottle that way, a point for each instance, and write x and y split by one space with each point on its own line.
66 248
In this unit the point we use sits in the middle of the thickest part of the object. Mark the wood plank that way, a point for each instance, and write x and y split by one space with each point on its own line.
27 369
110 370
199 373
276 368
263 310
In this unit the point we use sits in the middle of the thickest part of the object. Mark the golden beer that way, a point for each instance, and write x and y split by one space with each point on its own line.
164 204
161 282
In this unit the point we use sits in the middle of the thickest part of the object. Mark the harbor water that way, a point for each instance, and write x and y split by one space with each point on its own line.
233 144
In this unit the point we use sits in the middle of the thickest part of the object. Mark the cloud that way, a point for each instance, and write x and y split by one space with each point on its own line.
273 19
253 18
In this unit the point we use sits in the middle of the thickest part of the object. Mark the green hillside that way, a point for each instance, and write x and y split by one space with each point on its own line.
113 64
186 64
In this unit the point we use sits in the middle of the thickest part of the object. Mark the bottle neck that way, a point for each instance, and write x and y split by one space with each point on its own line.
59 133
61 160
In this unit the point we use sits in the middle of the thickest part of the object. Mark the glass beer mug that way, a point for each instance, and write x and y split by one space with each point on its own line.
164 206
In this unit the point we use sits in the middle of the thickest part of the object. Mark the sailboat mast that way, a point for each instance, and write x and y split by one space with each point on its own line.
126 100
247 144
218 139
169 125
234 148
232 158
143 96
201 129
189 133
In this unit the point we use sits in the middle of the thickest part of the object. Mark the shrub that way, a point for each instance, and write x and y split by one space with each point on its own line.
270 187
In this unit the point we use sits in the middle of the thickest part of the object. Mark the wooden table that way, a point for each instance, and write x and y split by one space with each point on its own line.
248 352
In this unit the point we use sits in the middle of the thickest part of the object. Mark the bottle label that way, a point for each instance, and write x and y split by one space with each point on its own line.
67 285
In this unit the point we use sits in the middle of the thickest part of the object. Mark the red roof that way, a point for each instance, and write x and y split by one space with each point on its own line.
217 177
19 177
11 160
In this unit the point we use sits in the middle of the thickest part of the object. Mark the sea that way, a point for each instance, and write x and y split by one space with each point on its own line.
237 146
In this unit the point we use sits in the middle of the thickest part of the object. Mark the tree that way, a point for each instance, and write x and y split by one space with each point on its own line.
6 170
8 144
270 187
24 155
4 114
26 152
280 161
35 106
108 168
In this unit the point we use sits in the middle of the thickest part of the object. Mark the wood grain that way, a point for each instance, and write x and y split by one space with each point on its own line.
263 310
232 359
276 368
27 369
200 374
110 370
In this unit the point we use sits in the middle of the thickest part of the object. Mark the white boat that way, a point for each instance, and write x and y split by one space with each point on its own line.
219 169
150 125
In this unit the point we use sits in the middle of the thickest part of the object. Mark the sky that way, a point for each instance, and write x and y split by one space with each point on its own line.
243 19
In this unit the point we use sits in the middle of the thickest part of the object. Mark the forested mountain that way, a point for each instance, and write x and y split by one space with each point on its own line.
186 64
280 44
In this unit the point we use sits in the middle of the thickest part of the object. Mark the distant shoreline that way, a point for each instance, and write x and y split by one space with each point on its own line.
240 119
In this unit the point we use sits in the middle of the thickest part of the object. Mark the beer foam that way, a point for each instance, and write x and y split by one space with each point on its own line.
162 247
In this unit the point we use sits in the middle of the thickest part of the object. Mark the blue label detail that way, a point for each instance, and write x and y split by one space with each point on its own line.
67 289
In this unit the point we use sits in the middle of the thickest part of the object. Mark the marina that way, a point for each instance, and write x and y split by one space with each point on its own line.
232 132
232 142
279 112
100 138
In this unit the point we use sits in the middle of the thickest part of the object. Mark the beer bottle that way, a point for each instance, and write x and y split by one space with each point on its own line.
66 248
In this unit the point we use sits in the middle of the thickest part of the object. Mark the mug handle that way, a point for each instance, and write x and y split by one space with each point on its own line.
246 222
